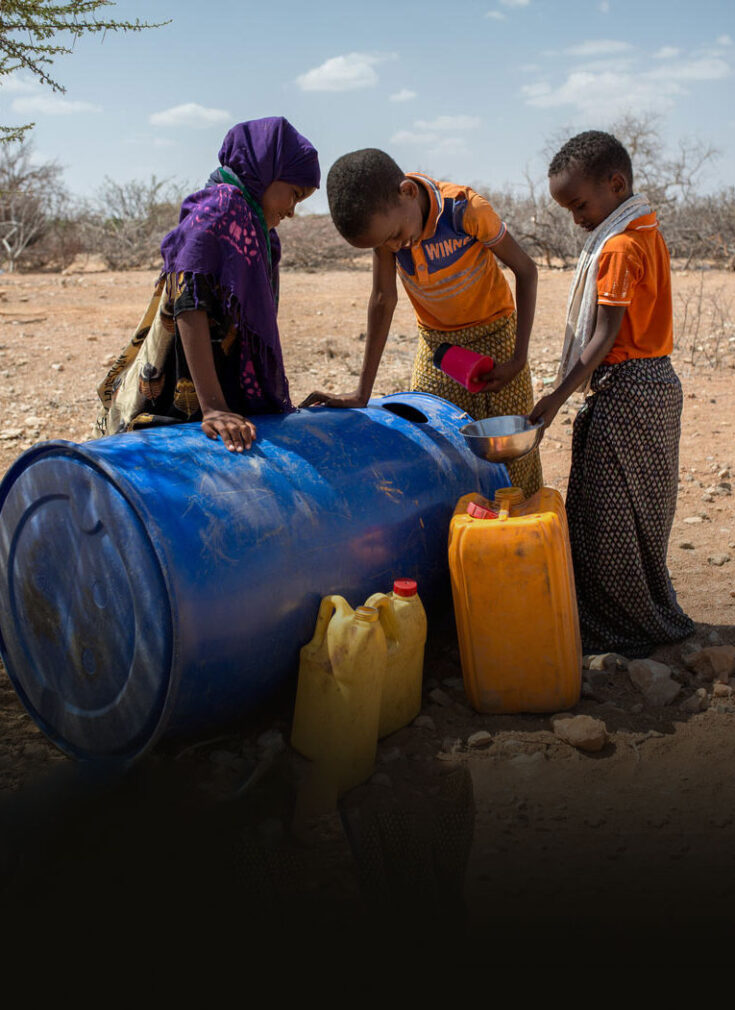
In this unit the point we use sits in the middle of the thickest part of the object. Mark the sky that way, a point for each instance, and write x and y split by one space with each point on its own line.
467 91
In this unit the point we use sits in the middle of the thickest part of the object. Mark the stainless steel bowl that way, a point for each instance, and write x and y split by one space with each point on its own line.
499 439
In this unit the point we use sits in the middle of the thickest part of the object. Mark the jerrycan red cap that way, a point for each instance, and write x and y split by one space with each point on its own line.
405 587
478 512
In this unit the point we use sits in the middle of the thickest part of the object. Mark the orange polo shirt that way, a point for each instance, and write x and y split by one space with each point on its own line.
451 276
635 271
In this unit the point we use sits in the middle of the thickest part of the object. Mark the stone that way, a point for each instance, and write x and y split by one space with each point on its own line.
272 739
391 754
223 758
715 662
440 697
479 740
718 560
722 690
451 745
8 434
686 545
605 661
698 702
715 638
654 681
581 731
381 779
57 366
528 761
456 683
693 520
424 722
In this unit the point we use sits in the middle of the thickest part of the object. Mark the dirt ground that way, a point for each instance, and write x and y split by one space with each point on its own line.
524 840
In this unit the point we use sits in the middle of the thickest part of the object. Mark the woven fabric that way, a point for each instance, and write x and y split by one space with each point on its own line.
498 340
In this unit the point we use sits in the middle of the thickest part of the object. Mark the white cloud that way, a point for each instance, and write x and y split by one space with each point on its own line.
515 3
439 135
616 90
724 40
190 114
19 85
604 7
442 123
344 73
404 95
495 15
599 47
51 105
666 53
709 69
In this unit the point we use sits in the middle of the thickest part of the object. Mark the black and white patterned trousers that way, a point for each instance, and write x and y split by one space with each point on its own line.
620 505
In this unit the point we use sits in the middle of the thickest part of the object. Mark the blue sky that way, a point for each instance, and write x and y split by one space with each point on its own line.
469 91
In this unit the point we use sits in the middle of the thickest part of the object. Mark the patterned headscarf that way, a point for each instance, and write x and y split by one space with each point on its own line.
222 236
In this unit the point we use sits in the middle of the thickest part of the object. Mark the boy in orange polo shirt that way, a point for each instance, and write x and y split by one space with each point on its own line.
625 448
443 241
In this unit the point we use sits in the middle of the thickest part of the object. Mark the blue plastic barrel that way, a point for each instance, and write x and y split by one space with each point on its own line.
155 584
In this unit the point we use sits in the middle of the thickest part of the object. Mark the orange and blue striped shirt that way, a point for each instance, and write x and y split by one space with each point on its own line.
451 276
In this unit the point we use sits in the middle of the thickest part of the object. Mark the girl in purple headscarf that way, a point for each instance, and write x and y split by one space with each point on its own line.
207 347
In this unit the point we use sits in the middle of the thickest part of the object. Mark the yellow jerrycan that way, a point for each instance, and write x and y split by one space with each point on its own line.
337 709
515 603
403 618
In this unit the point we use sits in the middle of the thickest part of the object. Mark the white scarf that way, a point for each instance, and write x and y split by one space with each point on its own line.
582 303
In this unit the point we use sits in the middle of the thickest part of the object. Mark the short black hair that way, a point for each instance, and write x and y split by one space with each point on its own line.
597 154
359 185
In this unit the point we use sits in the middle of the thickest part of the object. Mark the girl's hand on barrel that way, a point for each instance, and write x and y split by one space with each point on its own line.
236 431
327 400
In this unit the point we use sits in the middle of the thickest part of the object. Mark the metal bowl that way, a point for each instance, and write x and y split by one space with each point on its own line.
499 439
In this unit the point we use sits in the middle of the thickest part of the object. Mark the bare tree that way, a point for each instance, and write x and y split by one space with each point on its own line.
29 195
130 219
30 34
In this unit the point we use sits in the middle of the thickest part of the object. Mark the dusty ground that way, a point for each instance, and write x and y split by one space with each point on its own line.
628 846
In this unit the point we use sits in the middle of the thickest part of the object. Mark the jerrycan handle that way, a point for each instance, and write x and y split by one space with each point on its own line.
382 604
327 608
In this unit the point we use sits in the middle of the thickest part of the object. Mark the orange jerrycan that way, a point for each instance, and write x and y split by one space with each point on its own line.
514 602
403 618
337 707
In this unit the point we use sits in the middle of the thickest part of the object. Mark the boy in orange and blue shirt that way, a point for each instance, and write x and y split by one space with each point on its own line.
625 449
442 239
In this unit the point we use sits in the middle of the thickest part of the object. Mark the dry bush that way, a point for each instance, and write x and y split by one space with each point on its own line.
311 242
704 326
129 220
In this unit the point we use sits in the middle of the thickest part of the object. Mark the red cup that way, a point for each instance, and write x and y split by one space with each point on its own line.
463 365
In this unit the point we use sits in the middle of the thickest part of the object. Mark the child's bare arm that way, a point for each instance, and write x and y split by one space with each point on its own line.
607 327
524 269
236 432
382 304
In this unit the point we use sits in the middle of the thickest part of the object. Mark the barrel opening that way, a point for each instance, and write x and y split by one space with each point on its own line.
407 412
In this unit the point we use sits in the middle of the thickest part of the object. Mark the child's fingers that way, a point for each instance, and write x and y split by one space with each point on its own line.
315 398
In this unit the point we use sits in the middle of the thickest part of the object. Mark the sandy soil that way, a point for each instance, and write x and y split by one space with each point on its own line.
628 844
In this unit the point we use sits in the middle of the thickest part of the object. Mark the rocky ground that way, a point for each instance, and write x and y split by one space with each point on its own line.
491 831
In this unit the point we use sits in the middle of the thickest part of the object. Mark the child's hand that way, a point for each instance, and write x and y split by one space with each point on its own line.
501 375
235 431
327 400
545 410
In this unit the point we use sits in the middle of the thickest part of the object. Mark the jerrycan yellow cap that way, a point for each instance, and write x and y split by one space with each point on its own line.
368 614
510 495
405 587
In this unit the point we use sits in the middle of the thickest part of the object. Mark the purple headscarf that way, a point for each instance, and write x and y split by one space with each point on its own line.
221 237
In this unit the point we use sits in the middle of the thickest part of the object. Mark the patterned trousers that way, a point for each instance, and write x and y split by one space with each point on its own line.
620 506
